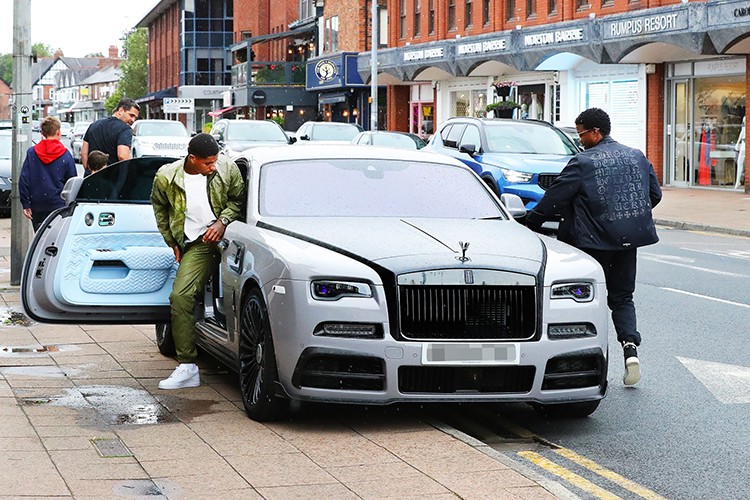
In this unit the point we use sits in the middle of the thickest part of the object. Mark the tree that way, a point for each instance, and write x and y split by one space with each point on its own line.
112 101
133 82
6 68
41 50
94 54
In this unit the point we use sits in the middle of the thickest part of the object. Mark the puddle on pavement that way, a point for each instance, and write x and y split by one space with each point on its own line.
9 317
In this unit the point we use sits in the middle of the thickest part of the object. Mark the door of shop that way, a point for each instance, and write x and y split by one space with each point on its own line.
680 136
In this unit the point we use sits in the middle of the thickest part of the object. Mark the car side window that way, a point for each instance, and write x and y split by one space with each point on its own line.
472 136
454 135
218 131
126 181
444 133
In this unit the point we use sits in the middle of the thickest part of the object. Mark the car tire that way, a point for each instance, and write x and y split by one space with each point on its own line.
257 362
164 339
492 185
567 410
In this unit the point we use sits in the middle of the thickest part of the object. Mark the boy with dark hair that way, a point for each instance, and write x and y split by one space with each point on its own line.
97 160
194 200
604 223
46 169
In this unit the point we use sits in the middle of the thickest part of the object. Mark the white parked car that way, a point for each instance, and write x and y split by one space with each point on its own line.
359 275
76 140
159 138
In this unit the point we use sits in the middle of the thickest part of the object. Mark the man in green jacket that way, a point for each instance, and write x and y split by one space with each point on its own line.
194 200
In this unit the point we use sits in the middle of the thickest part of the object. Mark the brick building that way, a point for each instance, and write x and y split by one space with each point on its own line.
5 92
671 73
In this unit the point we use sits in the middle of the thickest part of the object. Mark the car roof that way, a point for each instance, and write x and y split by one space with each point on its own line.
350 151
495 121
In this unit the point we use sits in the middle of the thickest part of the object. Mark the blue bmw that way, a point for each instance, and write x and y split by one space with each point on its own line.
522 157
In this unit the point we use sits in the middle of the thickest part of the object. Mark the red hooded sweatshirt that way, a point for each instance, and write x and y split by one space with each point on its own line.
49 150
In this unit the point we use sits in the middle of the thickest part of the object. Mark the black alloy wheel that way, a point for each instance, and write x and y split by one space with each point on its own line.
257 359
164 339
567 410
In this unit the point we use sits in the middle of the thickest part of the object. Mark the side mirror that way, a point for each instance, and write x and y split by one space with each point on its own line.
70 190
469 149
193 133
304 138
292 140
514 204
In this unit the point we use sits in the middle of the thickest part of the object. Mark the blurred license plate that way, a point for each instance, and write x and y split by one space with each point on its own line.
470 353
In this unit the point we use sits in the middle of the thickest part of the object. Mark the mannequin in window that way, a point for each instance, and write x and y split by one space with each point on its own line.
740 148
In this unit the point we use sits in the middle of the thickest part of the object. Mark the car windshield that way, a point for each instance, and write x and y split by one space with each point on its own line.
520 137
81 127
373 188
394 141
255 131
6 145
171 129
334 132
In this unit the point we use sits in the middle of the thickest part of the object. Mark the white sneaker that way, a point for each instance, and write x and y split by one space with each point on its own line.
185 375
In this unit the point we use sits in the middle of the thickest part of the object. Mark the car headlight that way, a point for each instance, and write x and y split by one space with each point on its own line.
515 175
334 289
580 292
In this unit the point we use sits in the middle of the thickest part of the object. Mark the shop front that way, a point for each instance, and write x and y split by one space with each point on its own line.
341 93
705 123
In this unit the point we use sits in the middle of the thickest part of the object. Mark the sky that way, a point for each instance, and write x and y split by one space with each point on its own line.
78 27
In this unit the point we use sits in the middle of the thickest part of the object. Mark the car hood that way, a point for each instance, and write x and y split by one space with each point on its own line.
402 245
532 163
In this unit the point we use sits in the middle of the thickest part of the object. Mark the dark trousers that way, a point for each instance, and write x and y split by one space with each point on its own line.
619 271
37 217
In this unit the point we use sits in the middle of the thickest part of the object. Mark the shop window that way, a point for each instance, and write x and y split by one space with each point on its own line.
460 103
451 15
468 12
417 17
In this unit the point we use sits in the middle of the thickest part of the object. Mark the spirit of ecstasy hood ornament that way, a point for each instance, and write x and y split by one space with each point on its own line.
464 247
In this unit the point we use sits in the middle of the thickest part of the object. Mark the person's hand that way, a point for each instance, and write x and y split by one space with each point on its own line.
214 233
27 213
177 253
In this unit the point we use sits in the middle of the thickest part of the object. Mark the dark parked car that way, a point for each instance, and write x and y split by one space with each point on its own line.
403 140
522 157
239 135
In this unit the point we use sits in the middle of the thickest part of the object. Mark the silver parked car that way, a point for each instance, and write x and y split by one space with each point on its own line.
76 139
360 275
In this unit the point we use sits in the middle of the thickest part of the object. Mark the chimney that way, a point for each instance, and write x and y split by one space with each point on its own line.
113 52
58 53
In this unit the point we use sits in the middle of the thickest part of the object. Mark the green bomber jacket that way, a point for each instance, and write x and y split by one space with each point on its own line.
226 191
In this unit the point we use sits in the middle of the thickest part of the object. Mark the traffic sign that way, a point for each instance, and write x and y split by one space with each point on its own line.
178 105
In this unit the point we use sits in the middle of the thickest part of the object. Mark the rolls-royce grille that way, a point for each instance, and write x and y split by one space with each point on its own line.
546 180
455 312
450 379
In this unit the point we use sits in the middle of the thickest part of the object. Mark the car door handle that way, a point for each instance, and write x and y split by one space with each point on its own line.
234 261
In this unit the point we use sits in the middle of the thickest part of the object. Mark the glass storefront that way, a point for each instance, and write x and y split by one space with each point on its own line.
704 120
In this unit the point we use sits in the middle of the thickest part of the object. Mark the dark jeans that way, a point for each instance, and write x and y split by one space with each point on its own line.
37 217
619 270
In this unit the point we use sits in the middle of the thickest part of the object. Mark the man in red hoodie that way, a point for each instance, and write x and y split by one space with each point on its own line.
47 167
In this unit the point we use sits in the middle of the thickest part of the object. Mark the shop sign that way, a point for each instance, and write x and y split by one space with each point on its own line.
203 91
553 37
419 55
494 45
722 13
646 25
258 97
722 67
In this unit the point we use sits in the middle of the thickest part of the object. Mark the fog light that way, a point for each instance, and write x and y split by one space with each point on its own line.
571 331
354 330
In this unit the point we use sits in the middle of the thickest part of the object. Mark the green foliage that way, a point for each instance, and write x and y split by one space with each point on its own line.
42 50
6 68
134 80
207 127
94 54
278 119
112 101
503 105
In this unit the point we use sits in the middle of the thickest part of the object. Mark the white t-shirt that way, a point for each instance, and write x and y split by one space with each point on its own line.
198 214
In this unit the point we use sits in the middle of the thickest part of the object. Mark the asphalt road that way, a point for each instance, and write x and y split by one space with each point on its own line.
682 432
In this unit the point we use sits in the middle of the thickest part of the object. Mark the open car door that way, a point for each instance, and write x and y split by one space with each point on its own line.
101 258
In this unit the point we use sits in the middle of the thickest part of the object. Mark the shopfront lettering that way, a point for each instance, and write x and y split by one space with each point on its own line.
417 55
644 25
742 12
479 47
469 48
561 36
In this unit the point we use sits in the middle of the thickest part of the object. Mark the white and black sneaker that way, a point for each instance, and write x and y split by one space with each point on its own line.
185 375
632 364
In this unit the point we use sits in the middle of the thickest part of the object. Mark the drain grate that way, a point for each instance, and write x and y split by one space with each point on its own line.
111 448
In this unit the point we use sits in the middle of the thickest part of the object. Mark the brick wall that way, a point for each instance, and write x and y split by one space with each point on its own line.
397 108
655 120
164 50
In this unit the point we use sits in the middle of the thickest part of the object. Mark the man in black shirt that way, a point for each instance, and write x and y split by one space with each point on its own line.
113 134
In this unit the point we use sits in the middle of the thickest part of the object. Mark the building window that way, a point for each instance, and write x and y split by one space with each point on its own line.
331 34
431 20
582 4
552 7
417 17
510 9
486 12
468 14
306 9
530 8
608 3
451 15
402 19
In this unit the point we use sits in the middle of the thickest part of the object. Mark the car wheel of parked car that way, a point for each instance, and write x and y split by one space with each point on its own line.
567 410
164 339
492 185
258 375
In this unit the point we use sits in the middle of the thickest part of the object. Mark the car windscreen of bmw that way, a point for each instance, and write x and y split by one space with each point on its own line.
373 188
256 131
518 137
334 132
125 181
170 129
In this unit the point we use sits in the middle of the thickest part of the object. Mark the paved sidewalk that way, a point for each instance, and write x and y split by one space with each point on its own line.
82 418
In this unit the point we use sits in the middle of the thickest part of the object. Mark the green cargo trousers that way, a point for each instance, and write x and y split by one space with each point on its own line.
198 261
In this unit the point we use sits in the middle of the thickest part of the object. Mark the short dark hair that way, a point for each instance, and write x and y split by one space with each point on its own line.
203 145
595 118
126 103
97 160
